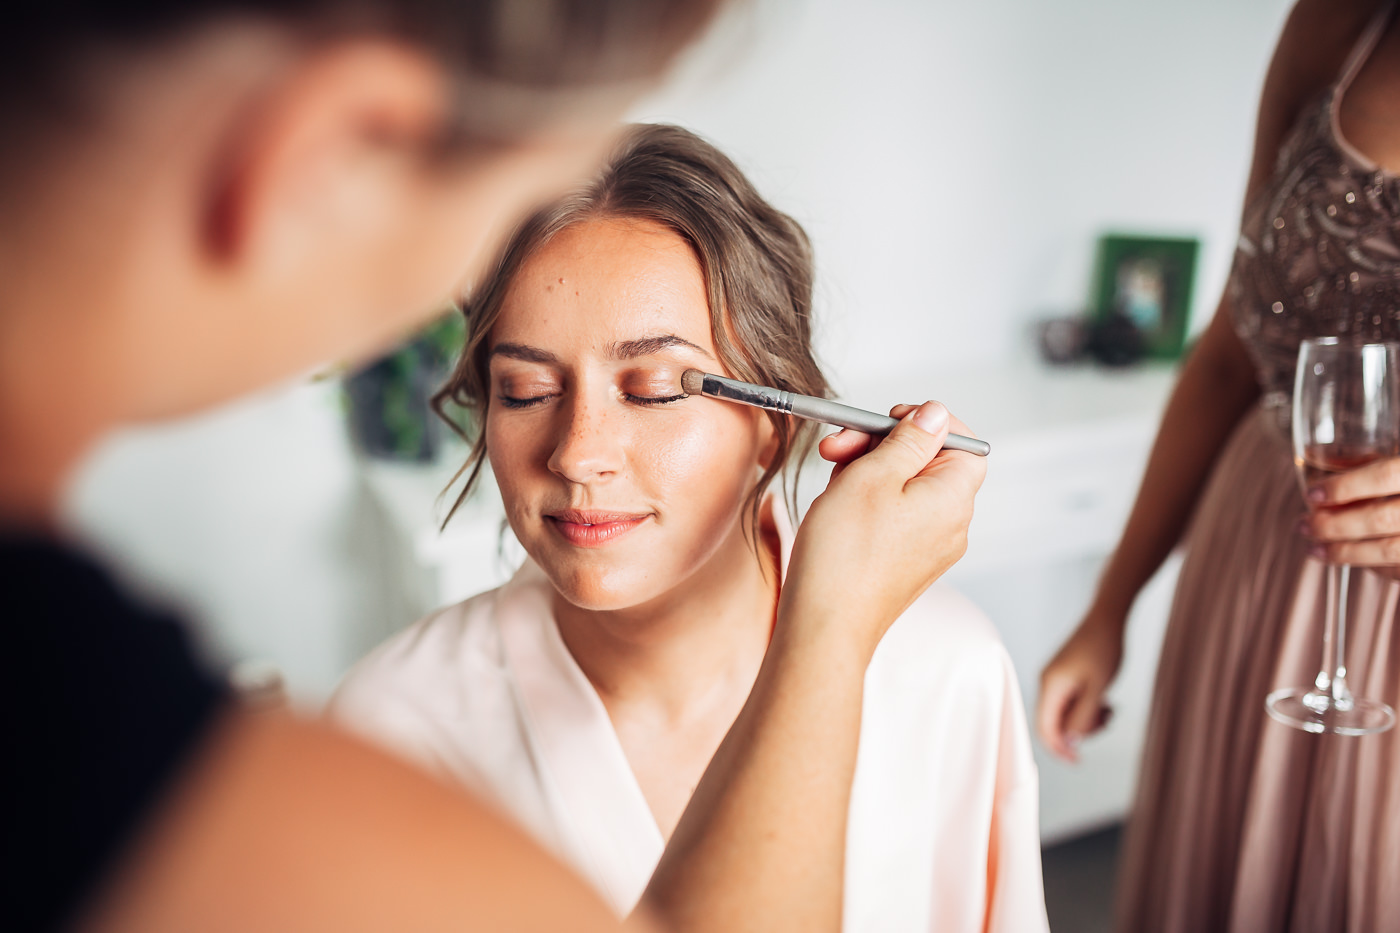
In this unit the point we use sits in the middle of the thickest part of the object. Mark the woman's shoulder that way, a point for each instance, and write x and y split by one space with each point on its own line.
942 646
943 624
1319 36
942 676
1317 39
426 659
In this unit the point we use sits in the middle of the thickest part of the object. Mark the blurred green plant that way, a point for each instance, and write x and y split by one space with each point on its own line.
388 401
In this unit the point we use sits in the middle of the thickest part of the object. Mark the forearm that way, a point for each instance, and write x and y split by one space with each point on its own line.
762 844
290 825
1215 390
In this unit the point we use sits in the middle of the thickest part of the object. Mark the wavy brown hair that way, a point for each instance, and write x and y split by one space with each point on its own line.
756 261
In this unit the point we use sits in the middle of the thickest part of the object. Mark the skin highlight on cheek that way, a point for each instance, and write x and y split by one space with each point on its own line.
624 491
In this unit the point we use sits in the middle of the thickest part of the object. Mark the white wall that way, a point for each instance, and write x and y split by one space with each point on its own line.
255 520
954 163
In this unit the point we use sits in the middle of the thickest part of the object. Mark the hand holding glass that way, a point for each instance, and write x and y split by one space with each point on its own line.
1346 413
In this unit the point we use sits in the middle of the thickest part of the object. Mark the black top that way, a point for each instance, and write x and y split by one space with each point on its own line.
101 703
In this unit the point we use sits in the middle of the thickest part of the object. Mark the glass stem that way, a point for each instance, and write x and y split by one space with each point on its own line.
1322 686
1341 696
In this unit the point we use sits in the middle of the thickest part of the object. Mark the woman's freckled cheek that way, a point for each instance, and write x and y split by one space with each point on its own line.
511 448
689 452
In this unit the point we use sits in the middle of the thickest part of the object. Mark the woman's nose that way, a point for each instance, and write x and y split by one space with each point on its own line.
588 448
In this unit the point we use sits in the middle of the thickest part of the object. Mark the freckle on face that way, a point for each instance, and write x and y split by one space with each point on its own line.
689 465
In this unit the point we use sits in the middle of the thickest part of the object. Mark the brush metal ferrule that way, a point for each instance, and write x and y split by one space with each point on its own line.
747 394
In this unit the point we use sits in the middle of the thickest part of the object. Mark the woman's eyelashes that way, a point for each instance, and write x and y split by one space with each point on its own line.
529 396
651 387
511 401
654 399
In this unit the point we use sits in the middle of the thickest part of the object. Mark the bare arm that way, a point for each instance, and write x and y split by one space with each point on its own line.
290 825
1217 386
762 844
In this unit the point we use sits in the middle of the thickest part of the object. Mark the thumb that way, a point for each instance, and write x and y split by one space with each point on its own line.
913 443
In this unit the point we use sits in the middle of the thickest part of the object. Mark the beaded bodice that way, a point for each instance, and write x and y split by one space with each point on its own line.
1319 249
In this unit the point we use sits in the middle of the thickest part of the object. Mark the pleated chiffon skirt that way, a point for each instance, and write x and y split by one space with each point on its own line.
1241 823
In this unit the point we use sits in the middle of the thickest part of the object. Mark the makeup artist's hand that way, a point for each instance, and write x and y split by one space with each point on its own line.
892 520
1355 517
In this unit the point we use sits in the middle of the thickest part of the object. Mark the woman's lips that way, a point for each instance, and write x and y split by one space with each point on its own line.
593 529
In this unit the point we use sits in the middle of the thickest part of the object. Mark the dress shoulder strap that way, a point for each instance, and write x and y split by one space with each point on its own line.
1365 45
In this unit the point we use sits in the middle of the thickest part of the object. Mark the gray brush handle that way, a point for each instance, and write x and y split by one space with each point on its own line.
822 410
846 416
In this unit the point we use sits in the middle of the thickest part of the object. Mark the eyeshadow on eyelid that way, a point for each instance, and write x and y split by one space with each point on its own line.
524 387
661 382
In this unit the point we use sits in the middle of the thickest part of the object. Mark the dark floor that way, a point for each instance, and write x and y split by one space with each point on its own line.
1079 876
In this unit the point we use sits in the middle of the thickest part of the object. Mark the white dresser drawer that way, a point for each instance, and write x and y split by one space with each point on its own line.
1057 497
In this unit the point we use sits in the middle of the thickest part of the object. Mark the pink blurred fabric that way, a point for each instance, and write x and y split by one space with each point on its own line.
1241 823
942 832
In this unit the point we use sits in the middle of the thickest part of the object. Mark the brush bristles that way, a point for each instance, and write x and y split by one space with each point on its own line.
693 382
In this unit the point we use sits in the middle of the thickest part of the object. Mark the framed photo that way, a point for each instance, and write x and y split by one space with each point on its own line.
1149 281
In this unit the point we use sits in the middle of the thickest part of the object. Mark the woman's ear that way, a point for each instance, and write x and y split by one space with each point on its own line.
322 155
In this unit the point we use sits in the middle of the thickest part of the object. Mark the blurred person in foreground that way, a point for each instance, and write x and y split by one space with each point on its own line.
198 199
1242 823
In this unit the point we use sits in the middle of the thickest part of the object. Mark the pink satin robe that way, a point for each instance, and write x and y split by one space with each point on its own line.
942 832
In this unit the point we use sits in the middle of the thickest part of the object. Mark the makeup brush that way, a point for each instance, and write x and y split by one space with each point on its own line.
694 382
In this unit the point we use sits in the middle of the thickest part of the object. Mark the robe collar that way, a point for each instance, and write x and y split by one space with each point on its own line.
601 812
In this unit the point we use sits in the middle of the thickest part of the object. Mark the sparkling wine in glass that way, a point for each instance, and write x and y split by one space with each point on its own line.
1346 413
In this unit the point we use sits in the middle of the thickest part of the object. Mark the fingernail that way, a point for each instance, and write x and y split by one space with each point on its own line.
1319 551
1317 494
836 434
930 416
1304 528
1072 739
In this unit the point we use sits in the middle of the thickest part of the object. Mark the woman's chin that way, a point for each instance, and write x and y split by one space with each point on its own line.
602 592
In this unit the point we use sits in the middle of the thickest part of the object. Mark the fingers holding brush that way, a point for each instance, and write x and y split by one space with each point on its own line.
847 444
894 517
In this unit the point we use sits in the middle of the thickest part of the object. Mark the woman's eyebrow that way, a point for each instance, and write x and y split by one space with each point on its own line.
650 346
523 352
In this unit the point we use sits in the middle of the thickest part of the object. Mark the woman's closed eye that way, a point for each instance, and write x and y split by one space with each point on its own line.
530 400
651 387
647 387
654 399
511 401
525 393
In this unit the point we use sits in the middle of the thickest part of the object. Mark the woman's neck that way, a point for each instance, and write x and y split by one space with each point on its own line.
692 651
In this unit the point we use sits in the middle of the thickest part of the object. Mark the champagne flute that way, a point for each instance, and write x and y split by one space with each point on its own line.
1346 413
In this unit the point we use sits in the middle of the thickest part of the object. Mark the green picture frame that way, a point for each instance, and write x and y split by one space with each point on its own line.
1150 280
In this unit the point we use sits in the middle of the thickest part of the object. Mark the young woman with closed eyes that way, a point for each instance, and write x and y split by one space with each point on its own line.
589 694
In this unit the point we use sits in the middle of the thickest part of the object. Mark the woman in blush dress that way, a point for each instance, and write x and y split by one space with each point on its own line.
1242 823
589 693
